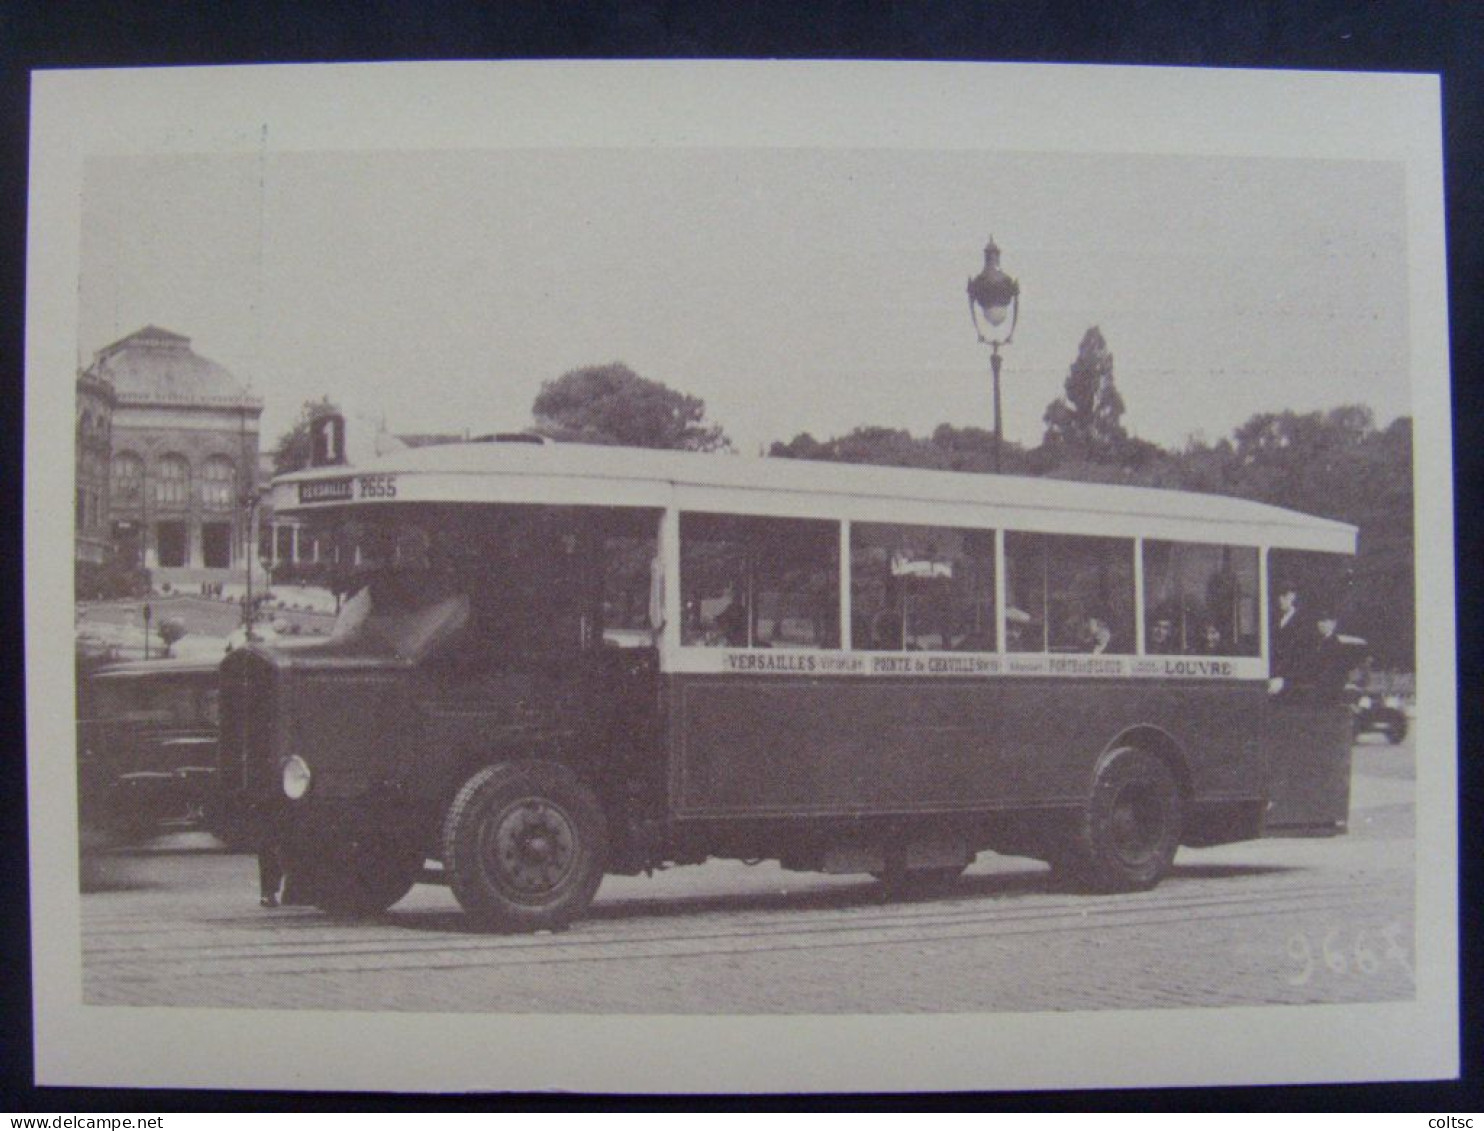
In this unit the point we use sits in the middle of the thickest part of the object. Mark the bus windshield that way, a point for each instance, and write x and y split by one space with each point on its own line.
401 614
502 580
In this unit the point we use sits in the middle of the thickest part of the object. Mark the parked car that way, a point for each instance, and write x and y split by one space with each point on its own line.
146 747
1379 714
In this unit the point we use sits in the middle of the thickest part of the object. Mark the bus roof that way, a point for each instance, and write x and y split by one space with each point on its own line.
591 475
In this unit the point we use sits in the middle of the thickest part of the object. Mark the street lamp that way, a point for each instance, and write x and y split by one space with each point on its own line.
997 296
250 498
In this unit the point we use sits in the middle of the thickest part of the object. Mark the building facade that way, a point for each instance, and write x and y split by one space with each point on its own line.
183 452
92 452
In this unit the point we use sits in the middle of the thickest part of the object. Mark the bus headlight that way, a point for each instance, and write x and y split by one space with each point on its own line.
296 777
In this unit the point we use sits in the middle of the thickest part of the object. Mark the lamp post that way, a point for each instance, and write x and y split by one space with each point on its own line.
997 296
249 500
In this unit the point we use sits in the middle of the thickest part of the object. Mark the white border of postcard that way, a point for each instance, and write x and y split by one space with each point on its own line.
901 106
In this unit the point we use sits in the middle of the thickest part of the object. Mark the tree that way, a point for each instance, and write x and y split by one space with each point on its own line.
972 449
171 630
1339 465
948 449
611 404
295 450
1087 420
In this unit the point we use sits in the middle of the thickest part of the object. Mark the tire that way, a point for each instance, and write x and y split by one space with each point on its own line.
364 880
524 846
1127 837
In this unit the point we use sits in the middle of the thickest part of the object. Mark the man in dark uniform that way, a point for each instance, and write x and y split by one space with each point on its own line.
1328 661
1289 638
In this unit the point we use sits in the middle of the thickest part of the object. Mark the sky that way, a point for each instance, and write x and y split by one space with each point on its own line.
794 290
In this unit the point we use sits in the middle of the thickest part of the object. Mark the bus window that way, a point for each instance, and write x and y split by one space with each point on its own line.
1069 594
1200 599
921 588
759 582
632 605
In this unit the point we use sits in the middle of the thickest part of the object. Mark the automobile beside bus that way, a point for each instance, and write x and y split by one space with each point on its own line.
147 746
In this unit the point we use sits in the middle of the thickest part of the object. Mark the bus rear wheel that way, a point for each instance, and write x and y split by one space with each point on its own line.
524 845
1127 837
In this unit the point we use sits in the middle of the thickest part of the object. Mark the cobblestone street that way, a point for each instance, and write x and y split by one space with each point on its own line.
1271 922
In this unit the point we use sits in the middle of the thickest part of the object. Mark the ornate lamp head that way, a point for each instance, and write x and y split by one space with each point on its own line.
993 292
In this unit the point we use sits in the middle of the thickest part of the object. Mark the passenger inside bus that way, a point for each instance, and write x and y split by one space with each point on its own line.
1099 635
1057 586
759 582
1212 643
1204 599
1160 640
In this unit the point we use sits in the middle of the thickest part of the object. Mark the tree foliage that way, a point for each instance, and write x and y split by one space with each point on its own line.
1339 465
295 450
171 630
1087 419
948 449
611 404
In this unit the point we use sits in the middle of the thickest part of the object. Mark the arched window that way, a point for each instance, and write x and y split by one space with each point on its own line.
173 483
219 483
128 478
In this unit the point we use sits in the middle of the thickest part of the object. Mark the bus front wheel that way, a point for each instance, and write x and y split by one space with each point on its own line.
524 845
1126 838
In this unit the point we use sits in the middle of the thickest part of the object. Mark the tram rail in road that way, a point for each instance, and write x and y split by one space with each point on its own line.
1267 922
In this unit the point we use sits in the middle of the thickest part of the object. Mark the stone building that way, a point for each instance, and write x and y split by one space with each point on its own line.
184 445
92 451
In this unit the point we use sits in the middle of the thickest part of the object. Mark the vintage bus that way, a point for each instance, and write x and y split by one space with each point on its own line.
562 661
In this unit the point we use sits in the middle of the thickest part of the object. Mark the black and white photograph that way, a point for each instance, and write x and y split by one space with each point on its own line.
750 577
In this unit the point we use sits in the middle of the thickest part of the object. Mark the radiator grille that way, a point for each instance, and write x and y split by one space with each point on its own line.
249 709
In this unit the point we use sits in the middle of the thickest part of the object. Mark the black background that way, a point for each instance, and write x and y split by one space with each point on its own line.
1388 35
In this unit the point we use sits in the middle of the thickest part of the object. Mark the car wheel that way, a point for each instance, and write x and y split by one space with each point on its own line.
524 845
1129 832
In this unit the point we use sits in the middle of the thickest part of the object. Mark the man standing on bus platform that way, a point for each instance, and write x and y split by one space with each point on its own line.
1288 638
1328 662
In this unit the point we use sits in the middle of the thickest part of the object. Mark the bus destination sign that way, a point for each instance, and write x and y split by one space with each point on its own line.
348 489
327 490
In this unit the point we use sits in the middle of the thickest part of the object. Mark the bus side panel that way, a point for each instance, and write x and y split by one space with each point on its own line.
782 745
1308 748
